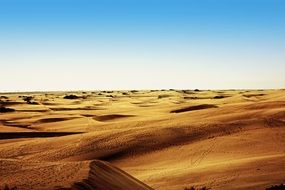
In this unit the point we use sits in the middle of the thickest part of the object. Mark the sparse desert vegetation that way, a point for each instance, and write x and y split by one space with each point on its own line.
276 187
5 110
71 97
29 100
195 188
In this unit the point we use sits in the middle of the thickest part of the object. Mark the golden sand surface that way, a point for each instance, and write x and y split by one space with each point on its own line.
136 140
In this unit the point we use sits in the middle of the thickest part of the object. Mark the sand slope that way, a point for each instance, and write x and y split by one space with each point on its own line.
103 176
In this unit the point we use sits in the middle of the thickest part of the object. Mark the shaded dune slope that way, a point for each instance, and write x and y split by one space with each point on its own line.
17 135
110 117
194 108
103 176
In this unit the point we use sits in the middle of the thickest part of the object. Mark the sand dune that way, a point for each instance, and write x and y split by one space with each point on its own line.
168 140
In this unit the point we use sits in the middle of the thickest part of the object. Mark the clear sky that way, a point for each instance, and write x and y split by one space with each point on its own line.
141 44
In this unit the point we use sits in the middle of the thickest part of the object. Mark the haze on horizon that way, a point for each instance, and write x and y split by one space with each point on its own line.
123 44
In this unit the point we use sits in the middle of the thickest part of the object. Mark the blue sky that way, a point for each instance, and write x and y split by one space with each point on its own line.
141 44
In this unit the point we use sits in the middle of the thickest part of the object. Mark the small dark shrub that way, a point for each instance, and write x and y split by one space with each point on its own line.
190 188
33 103
5 110
191 98
193 188
6 187
27 98
197 90
219 97
71 97
187 92
276 187
4 97
163 96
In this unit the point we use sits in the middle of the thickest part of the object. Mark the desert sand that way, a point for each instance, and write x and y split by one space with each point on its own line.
139 140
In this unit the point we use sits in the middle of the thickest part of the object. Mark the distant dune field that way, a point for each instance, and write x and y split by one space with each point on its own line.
142 140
